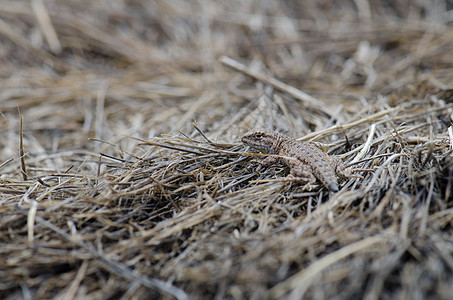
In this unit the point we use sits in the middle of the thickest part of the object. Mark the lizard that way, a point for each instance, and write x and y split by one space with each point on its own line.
304 159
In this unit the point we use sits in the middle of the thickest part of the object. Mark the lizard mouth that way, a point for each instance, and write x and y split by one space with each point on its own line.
248 142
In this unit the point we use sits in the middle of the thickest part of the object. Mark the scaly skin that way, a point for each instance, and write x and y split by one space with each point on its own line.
305 161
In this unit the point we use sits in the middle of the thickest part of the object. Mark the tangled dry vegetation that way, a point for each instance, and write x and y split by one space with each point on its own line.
128 179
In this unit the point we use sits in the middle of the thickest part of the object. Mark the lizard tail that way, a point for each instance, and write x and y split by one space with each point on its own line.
333 187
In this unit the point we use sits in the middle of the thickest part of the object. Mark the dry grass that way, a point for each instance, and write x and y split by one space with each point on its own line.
126 179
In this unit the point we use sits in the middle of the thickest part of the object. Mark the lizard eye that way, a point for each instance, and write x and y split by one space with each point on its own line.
259 135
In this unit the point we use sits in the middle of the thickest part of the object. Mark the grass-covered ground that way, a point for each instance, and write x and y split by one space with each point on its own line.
122 174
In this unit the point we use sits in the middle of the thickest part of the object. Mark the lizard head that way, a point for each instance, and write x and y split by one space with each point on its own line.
262 139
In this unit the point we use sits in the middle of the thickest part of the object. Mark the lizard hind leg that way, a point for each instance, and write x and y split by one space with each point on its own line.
303 174
347 172
340 168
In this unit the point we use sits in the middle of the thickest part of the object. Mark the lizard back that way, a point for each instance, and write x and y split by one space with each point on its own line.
309 154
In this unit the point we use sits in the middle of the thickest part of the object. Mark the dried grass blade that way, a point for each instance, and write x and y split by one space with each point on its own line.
46 25
31 220
450 134
366 146
23 167
6 162
340 128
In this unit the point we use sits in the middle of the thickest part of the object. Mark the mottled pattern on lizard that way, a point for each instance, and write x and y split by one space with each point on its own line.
304 159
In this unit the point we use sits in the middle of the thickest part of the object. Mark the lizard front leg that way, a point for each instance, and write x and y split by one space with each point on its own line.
267 161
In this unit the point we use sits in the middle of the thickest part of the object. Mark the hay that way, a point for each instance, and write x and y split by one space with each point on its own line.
122 175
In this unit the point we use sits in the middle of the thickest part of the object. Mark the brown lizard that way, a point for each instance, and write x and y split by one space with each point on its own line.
305 161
